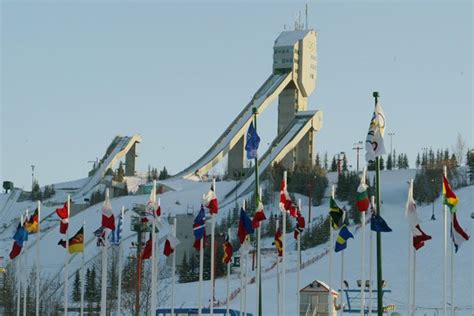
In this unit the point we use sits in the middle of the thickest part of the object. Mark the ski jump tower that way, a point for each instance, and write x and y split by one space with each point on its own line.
292 80
294 55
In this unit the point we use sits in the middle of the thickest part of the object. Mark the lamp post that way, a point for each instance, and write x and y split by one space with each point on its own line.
357 147
391 136
32 177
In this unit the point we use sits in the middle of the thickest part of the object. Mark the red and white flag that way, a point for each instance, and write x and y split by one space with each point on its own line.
259 215
63 214
286 204
108 220
419 236
170 244
210 201
457 233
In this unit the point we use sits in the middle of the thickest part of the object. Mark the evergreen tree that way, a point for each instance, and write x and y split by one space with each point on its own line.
120 173
418 161
389 162
344 164
470 164
148 177
76 289
163 174
317 161
382 163
36 192
394 160
333 164
183 270
326 161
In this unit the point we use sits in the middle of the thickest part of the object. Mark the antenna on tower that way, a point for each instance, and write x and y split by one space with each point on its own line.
306 12
299 20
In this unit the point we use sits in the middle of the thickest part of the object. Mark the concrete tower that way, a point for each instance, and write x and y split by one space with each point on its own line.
295 52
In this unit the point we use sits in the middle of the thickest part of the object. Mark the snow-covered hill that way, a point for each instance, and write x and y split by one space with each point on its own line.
187 195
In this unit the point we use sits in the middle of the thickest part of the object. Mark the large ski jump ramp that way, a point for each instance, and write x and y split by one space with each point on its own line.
270 89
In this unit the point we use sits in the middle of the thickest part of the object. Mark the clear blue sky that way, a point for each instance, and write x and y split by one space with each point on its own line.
75 74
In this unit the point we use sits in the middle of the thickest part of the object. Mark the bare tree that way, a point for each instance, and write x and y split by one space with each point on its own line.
459 148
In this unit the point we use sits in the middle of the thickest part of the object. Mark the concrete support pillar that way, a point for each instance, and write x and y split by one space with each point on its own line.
304 150
130 161
236 159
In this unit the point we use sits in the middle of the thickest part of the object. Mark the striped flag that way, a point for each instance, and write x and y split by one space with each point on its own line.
342 237
228 251
449 197
336 214
458 235
116 236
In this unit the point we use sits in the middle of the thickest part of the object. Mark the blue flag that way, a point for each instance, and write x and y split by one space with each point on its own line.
341 240
116 236
21 235
253 140
245 226
199 228
378 224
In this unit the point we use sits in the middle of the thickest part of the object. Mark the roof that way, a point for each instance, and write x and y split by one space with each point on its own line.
290 38
318 286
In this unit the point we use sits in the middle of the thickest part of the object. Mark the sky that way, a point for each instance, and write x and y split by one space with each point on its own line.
76 73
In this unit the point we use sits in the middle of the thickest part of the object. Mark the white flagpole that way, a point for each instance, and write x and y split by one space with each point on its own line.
410 272
278 277
341 301
331 242
213 228
283 268
83 279
38 236
153 252
201 268
103 292
228 280
258 258
66 273
25 271
371 260
245 276
120 259
18 282
242 284
173 276
298 264
362 259
445 250
414 282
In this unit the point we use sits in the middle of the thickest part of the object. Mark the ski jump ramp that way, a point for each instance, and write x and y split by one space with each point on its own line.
270 89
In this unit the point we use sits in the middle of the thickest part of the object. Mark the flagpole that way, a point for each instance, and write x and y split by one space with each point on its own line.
414 282
278 276
445 251
259 272
18 281
283 268
342 283
298 264
213 229
119 290
410 272
82 270
66 274
371 259
38 236
245 276
103 292
452 273
257 200
201 268
153 251
228 279
331 242
241 296
25 271
379 237
362 259
173 276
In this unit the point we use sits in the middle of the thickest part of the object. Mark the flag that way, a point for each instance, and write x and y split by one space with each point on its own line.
336 214
210 201
76 243
278 242
16 250
253 140
378 224
199 228
458 235
245 226
108 220
362 197
259 215
100 234
31 224
147 250
449 197
170 244
286 204
228 251
116 236
63 214
342 237
419 236
374 144
300 225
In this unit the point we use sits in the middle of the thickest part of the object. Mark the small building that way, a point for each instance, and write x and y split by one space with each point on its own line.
314 299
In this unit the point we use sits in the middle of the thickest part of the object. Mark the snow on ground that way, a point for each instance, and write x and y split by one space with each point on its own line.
187 196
